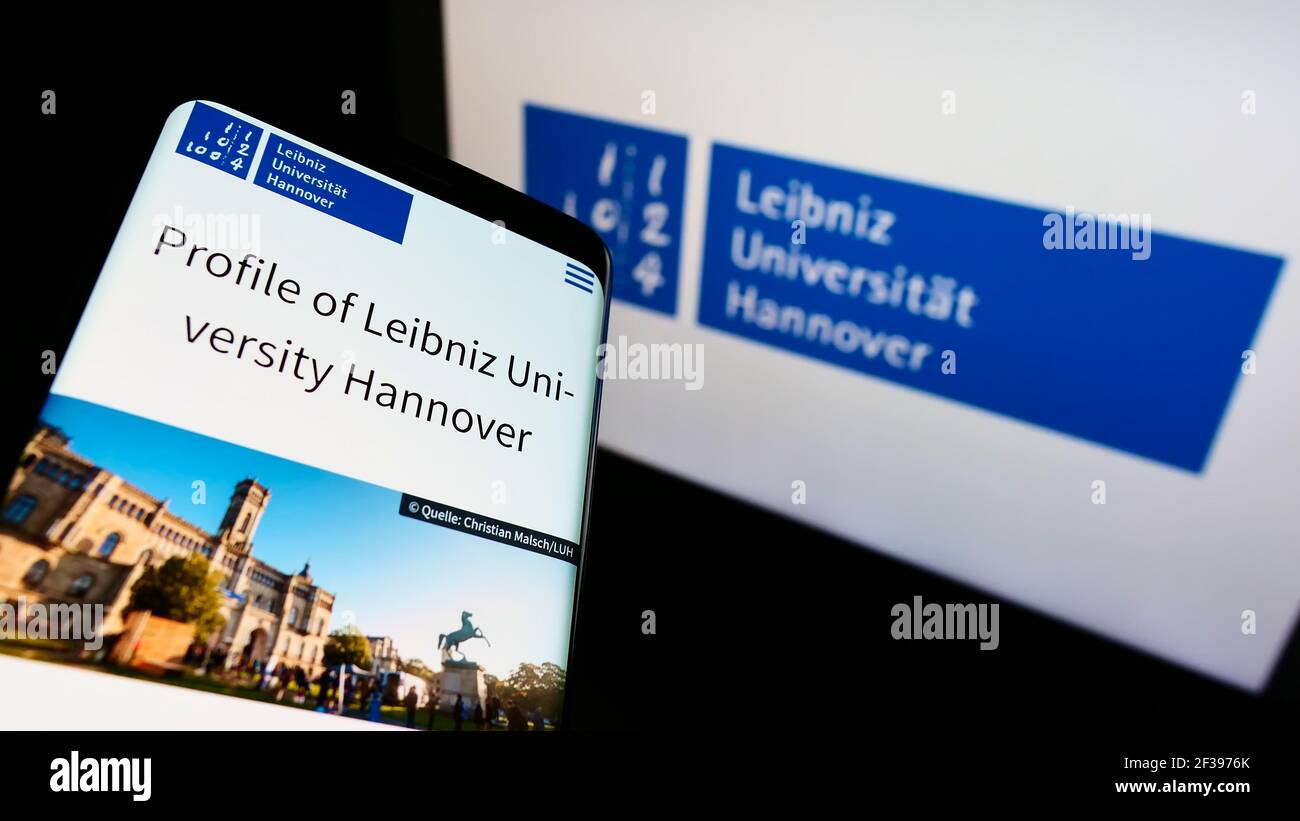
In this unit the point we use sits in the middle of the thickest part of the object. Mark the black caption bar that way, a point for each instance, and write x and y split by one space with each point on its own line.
413 507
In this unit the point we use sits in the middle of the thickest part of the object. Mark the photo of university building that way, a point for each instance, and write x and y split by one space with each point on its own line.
73 532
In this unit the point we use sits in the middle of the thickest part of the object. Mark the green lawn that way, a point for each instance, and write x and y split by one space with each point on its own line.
443 721
65 653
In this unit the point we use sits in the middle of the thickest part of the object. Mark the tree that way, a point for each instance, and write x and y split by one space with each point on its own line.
416 667
347 646
182 589
535 686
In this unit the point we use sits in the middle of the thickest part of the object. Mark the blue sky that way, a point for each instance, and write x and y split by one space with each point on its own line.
398 576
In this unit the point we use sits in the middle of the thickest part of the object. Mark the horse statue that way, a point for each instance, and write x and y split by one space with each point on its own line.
451 641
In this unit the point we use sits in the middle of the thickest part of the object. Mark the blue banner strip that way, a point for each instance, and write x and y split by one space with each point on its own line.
1088 325
333 188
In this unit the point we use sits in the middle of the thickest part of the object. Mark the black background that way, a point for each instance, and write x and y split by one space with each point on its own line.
715 571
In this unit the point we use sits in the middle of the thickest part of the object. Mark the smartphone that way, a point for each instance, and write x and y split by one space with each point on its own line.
323 440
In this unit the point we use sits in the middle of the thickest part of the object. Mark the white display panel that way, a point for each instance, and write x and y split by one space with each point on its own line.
1184 114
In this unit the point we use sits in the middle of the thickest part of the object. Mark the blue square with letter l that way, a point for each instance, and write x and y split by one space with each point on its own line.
627 182
220 140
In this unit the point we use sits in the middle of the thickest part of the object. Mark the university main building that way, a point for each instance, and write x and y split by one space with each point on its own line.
71 531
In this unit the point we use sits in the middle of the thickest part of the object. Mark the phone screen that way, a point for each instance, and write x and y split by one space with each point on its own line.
321 441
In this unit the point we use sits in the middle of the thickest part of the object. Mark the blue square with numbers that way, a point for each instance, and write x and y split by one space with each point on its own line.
626 182
220 140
